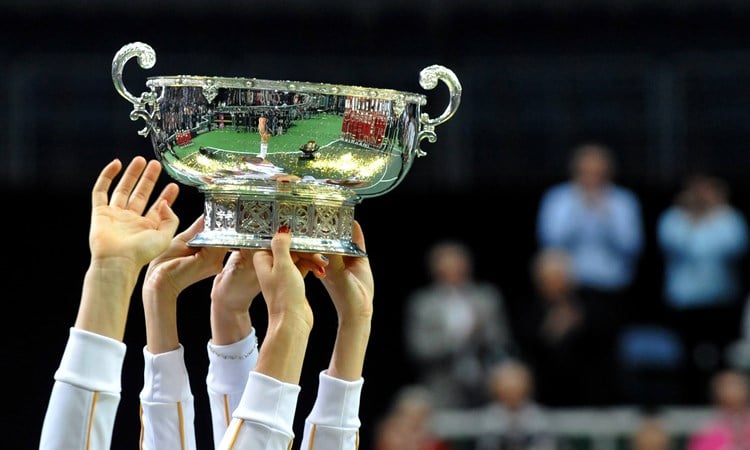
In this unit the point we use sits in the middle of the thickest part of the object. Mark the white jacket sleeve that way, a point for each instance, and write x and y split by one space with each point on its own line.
265 416
86 393
167 411
333 423
228 369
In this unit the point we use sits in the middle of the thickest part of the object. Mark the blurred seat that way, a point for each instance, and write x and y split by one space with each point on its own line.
650 359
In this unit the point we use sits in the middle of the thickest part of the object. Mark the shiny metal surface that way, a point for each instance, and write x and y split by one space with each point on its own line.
268 153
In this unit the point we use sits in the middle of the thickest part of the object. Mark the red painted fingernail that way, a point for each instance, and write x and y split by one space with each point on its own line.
284 229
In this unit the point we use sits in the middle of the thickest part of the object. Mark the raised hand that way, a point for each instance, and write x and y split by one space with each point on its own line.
233 291
122 239
290 317
178 267
119 227
350 284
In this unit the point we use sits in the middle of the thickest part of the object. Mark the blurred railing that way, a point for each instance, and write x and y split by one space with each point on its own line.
580 428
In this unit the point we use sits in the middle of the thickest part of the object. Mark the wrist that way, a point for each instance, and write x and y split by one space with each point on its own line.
348 357
117 274
126 267
105 298
291 325
358 326
283 350
299 317
228 327
161 323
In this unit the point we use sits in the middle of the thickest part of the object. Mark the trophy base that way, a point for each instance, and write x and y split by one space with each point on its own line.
249 220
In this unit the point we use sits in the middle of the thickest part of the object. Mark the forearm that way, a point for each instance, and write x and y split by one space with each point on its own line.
228 326
283 350
105 298
348 357
161 322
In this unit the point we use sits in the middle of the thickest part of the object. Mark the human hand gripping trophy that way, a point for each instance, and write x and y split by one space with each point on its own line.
272 153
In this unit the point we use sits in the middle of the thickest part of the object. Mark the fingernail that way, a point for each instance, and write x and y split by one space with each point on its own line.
284 229
324 258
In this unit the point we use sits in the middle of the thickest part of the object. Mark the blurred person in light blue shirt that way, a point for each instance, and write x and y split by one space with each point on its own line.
599 224
597 221
703 239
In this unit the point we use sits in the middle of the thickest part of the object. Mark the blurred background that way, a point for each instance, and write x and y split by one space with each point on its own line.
664 84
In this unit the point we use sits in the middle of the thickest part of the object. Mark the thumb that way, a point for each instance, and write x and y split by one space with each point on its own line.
168 218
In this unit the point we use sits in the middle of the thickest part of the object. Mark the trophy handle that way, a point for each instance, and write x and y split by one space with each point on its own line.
146 59
428 79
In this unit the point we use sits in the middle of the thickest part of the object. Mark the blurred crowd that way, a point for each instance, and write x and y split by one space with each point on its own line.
576 341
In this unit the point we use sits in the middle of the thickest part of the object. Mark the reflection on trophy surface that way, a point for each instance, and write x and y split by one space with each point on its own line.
269 153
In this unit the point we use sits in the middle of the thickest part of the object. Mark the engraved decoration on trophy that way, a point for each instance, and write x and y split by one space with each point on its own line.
268 153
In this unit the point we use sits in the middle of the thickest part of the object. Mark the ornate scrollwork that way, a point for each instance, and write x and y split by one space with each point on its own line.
146 106
428 79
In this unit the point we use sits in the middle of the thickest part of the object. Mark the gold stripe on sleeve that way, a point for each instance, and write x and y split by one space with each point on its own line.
140 417
227 415
312 436
92 411
182 425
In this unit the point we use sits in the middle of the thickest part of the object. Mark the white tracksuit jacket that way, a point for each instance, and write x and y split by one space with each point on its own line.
249 411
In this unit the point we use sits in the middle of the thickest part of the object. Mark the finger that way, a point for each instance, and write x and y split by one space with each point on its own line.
100 192
247 253
238 261
358 236
280 245
169 193
306 266
124 188
316 258
215 255
235 257
191 231
144 187
262 262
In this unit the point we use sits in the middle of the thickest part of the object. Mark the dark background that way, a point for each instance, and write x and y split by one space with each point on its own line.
665 84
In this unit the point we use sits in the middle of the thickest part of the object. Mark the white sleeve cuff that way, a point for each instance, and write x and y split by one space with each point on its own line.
230 364
269 402
165 377
92 361
337 403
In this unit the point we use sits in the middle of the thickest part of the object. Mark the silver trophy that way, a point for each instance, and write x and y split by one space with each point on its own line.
269 153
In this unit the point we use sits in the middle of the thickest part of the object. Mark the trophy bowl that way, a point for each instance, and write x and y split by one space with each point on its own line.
272 153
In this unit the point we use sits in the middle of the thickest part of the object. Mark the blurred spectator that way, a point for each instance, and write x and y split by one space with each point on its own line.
599 224
513 420
703 239
651 434
407 424
555 335
729 429
596 220
456 327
